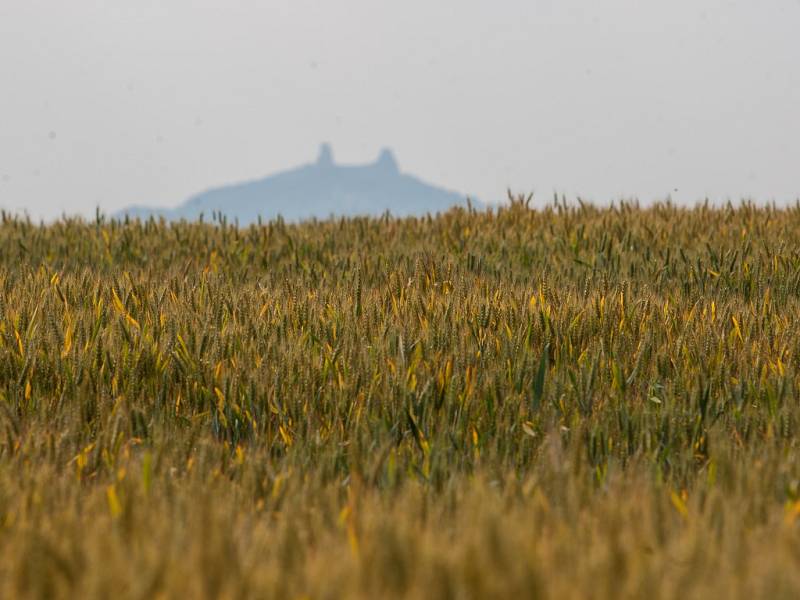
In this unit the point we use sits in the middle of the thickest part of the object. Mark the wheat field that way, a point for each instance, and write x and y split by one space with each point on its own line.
568 402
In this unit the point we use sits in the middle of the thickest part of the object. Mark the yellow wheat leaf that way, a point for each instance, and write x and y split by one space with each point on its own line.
19 343
67 340
121 309
114 506
285 435
679 504
737 329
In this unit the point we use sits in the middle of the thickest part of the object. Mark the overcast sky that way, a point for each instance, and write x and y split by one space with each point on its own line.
109 103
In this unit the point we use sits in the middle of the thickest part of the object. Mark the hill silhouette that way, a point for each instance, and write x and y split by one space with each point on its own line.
317 190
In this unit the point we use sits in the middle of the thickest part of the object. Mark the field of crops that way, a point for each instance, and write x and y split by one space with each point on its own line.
567 402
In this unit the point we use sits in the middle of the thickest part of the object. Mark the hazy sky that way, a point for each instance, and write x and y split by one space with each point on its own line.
111 103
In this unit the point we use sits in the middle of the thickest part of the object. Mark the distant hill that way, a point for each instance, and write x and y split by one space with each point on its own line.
320 190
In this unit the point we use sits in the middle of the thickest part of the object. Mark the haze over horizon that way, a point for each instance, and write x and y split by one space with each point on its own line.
113 104
319 189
